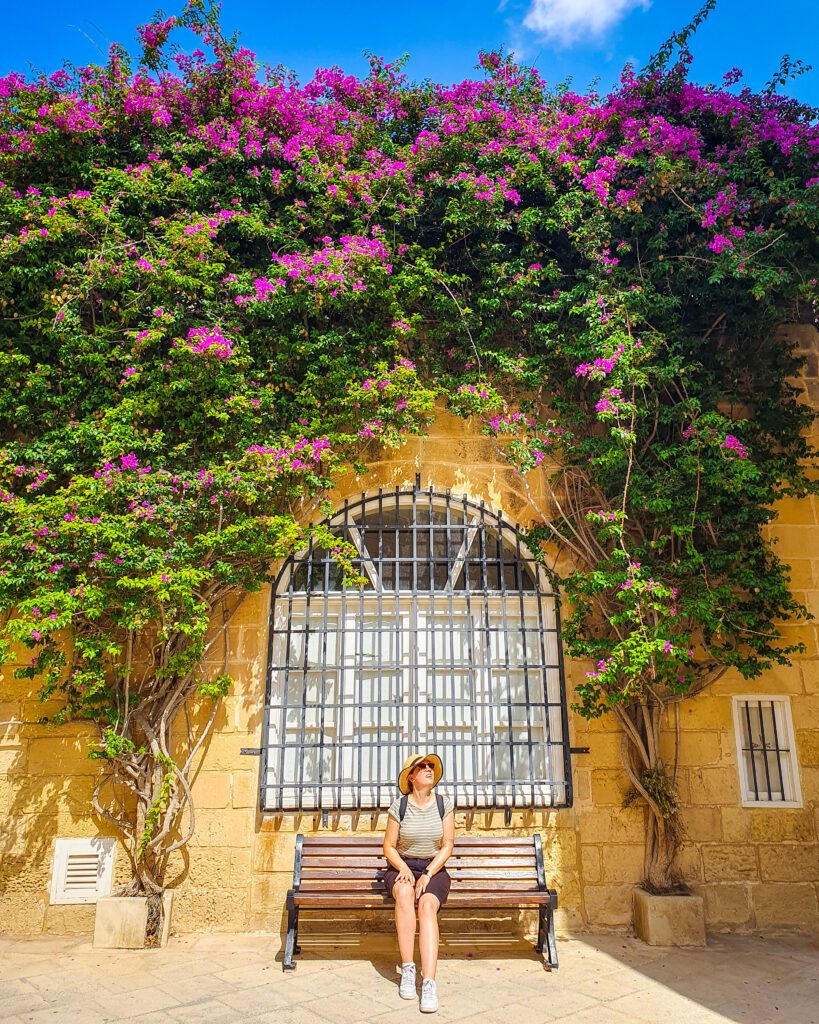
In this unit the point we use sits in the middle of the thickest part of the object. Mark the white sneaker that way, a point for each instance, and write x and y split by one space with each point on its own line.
406 989
429 996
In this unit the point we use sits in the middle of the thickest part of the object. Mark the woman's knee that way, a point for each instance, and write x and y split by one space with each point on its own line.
428 906
404 895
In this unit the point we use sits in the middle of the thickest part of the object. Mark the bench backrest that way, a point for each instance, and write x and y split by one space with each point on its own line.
345 863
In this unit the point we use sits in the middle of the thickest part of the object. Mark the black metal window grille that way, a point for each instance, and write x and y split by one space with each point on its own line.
452 646
766 761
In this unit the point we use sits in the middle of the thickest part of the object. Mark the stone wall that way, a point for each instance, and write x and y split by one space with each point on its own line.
756 868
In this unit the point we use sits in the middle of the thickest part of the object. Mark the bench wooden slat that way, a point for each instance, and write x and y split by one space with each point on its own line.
366 901
377 861
461 842
376 851
331 885
454 871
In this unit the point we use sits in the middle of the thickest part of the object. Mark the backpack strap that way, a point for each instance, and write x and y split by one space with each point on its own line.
440 801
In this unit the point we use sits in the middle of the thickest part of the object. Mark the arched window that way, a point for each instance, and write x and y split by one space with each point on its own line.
452 646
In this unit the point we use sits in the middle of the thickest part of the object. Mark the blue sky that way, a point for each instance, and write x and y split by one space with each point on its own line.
581 39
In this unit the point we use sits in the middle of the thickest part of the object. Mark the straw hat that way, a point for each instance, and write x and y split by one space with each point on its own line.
411 762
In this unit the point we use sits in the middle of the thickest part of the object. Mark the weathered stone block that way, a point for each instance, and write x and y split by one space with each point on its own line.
793 541
560 849
618 825
781 824
69 752
240 868
793 862
727 905
245 789
608 906
582 786
786 905
700 748
706 712
222 753
227 828
591 866
623 862
209 909
208 865
724 863
689 863
807 744
736 824
272 852
702 824
609 786
70 919
23 915
268 893
211 789
714 786
669 920
794 512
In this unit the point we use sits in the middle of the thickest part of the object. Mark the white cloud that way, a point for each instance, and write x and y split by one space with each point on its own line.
569 21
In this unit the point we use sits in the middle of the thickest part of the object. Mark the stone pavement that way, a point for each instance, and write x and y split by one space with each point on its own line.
226 979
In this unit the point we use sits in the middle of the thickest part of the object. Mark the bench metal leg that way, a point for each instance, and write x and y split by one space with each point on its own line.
551 941
546 941
290 946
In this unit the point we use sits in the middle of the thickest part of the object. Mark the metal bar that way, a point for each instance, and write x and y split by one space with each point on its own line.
487 652
508 671
524 633
779 752
304 667
380 620
564 712
341 686
751 747
764 748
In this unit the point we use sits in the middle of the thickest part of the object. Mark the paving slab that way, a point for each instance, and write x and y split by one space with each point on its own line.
230 979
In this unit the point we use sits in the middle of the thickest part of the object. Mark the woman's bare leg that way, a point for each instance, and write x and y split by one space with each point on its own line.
404 895
428 933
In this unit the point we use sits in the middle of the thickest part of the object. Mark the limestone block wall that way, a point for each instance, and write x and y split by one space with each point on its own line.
756 868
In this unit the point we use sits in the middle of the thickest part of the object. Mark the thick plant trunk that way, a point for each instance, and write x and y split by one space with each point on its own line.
652 783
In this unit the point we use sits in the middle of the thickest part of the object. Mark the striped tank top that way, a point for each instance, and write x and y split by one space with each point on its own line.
421 832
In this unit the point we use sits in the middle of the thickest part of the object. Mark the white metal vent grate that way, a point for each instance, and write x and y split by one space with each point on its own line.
83 870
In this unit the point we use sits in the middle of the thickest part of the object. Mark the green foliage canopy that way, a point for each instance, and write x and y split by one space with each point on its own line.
219 288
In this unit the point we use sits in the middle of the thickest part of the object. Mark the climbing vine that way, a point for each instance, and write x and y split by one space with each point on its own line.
220 288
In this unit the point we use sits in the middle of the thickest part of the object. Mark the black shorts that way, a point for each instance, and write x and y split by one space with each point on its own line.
438 885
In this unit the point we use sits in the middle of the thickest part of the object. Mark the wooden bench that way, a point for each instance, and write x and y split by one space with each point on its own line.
346 873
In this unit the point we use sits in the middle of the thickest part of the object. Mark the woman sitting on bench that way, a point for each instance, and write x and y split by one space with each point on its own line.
417 844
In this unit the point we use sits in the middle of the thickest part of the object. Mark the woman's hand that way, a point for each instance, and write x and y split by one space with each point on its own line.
405 875
421 887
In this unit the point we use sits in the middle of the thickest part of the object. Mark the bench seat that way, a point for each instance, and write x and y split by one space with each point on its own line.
346 873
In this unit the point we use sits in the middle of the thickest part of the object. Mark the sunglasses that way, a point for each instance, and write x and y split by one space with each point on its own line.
424 764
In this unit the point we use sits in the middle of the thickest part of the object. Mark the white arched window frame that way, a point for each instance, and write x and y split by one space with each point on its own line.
453 646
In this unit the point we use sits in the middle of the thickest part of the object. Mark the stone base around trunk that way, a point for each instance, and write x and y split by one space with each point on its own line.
121 922
668 920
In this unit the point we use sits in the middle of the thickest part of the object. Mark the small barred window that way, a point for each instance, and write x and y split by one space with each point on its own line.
768 769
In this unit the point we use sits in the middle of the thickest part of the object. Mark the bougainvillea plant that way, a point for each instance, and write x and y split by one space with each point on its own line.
220 288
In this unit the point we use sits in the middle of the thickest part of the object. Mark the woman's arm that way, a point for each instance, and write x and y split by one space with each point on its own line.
392 854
